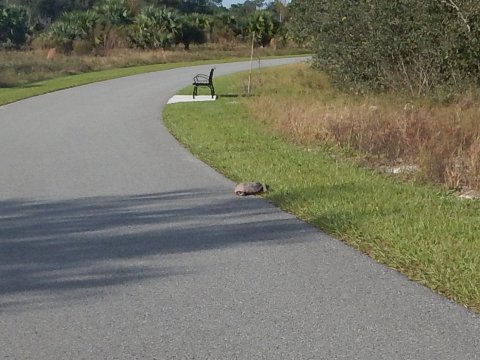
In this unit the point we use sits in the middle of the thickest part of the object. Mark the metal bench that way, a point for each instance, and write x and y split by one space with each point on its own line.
204 80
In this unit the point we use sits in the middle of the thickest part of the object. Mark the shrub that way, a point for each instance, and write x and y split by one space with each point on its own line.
82 47
14 26
222 28
113 16
42 42
192 30
417 46
154 28
8 78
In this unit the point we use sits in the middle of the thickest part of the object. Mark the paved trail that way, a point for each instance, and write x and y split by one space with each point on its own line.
115 243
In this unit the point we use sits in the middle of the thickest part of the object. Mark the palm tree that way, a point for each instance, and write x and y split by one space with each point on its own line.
263 25
193 29
76 25
112 14
154 28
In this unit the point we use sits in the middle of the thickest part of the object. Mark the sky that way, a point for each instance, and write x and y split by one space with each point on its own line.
227 3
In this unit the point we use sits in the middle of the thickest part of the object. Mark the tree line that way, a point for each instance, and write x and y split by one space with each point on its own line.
99 25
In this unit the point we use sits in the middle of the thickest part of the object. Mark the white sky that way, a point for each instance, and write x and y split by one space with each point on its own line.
227 3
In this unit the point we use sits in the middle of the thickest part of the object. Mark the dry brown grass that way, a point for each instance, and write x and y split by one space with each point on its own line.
443 141
24 67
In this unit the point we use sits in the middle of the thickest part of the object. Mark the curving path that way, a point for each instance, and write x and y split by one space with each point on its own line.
115 243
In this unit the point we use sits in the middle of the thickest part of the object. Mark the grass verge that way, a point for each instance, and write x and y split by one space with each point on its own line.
420 230
8 95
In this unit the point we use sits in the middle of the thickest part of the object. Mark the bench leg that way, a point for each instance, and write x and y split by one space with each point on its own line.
194 91
212 91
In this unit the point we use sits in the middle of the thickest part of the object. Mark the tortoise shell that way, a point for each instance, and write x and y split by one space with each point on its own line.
250 188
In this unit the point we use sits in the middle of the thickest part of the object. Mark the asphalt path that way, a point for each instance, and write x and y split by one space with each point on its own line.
116 243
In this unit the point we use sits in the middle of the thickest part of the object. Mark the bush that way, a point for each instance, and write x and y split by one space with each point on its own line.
192 30
82 47
42 42
417 46
153 28
8 78
75 29
14 26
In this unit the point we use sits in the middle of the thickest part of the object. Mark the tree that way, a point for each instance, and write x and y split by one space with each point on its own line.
263 26
417 46
14 26
50 10
200 6
93 26
193 27
246 9
242 14
190 6
223 27
279 9
154 28
76 25
112 15
304 21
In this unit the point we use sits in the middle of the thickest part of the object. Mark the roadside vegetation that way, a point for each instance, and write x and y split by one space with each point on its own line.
20 68
45 39
294 129
416 65
413 138
420 48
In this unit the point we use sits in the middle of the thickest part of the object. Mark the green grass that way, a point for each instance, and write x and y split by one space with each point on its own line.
8 95
422 231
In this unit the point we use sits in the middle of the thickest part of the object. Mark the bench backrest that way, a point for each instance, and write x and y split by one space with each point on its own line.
210 78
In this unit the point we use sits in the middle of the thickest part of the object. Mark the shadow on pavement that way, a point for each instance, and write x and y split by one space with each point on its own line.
57 247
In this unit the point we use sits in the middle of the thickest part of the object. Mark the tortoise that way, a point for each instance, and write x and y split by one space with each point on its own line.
250 188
